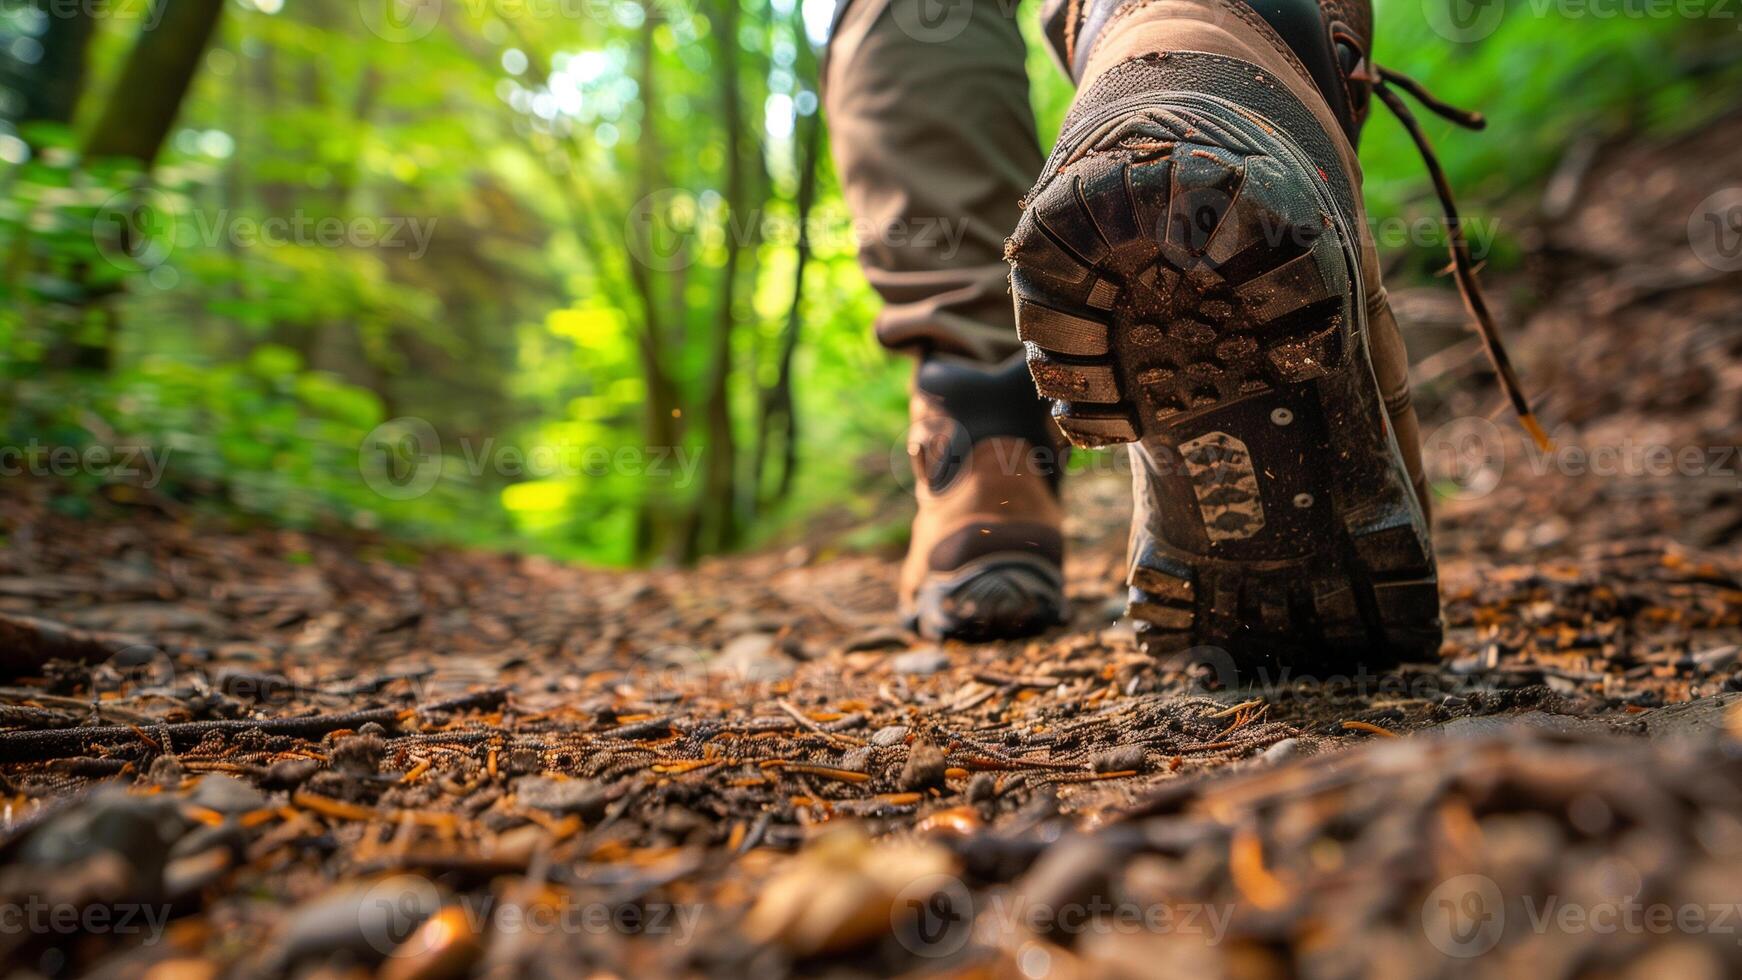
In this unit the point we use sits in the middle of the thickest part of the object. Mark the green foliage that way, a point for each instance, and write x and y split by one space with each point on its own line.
484 223
1547 76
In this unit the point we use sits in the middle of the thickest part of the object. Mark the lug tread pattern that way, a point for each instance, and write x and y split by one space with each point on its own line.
1175 275
1150 287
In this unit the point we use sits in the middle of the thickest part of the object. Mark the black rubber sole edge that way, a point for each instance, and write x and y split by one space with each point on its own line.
998 596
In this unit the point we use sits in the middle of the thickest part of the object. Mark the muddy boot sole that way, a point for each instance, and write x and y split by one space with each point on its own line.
1186 283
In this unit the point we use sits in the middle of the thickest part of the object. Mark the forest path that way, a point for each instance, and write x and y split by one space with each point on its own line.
367 732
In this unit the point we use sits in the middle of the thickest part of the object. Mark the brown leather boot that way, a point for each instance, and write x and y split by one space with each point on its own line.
1193 276
986 558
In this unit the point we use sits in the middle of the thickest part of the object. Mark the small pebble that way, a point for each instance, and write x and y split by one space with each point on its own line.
289 773
523 761
1120 759
226 794
753 658
166 770
925 767
1282 751
892 735
360 754
925 660
582 796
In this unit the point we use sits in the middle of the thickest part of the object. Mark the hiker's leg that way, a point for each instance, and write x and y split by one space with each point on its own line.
934 141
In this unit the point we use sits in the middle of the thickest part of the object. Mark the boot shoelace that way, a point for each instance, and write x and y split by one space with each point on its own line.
1463 266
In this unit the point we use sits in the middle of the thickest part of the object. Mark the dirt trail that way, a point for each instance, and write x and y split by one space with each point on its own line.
324 743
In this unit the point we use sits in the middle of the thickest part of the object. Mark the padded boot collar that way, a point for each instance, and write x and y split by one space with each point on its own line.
983 403
1071 27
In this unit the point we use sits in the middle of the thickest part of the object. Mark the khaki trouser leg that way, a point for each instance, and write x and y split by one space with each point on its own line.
934 141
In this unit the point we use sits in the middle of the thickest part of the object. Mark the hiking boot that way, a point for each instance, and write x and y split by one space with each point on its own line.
1192 276
986 559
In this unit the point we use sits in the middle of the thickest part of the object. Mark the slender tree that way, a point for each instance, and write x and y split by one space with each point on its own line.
140 111
51 88
778 422
713 524
660 413
135 121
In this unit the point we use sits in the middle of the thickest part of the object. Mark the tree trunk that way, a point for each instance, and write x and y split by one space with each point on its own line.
713 524
51 90
660 425
53 85
778 422
135 122
153 82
